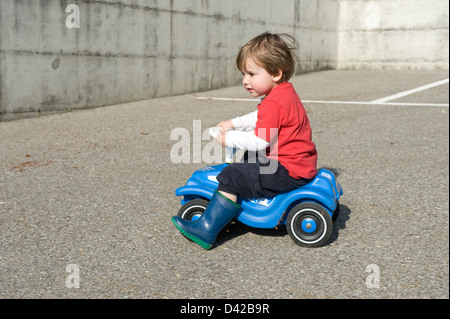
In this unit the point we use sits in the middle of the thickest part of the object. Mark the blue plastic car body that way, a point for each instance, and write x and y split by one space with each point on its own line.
269 213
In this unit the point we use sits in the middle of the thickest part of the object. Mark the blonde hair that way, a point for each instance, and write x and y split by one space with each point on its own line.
273 52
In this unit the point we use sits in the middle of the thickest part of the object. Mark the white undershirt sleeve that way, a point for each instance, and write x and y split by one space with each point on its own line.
245 141
243 136
246 122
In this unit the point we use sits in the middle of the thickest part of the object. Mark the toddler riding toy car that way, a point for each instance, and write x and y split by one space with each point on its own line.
308 212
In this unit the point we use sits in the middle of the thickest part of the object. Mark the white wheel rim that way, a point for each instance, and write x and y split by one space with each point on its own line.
196 207
324 225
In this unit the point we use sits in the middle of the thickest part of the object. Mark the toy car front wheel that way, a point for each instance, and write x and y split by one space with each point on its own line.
193 209
309 225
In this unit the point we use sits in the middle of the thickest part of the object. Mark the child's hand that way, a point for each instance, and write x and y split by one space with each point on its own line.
220 138
226 125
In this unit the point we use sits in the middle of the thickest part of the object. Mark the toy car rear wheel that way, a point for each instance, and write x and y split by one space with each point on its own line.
309 225
193 209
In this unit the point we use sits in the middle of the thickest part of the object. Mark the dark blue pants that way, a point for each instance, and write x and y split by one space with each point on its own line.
249 178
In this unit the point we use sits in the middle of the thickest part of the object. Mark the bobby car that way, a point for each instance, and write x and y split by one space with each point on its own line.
308 212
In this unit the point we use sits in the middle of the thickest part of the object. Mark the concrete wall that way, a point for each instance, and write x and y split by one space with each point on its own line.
124 50
393 34
127 50
317 30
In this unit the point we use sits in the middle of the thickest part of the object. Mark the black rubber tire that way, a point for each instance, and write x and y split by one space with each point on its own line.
321 218
195 207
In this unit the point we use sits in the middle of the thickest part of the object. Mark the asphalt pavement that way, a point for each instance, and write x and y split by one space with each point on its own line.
86 198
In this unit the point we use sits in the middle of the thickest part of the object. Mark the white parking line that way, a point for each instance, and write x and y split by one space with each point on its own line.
327 102
409 92
226 99
377 103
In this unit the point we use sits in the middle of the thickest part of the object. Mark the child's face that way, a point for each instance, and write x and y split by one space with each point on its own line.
257 80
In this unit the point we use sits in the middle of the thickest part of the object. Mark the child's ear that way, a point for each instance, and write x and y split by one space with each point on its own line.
277 78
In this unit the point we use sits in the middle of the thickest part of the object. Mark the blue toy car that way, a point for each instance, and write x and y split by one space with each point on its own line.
308 212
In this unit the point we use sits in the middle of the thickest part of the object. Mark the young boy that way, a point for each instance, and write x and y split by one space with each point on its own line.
279 129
